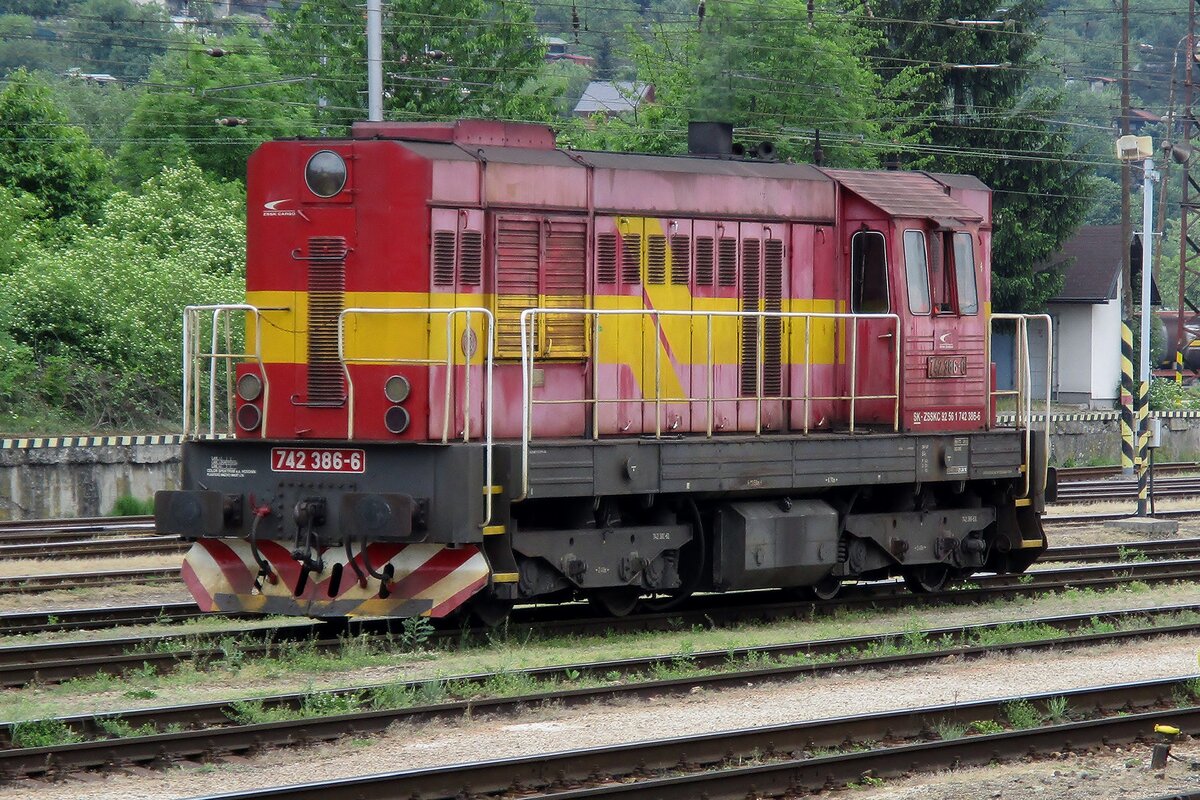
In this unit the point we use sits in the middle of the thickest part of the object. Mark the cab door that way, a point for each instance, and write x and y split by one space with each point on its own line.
944 339
869 344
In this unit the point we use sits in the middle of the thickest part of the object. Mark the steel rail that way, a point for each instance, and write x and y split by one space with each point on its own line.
1072 474
1114 551
94 548
26 761
706 759
18 623
29 584
46 662
1085 519
76 524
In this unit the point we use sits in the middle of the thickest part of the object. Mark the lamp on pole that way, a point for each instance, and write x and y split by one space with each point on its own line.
1131 149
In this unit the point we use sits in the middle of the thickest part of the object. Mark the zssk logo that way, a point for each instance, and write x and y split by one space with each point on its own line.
272 209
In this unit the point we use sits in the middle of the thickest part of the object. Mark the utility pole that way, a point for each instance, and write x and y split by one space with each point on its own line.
1127 407
375 60
1189 251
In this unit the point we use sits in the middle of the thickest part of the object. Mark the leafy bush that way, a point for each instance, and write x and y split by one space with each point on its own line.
129 506
1166 395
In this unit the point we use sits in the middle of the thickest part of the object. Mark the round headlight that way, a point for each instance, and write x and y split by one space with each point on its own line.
249 387
396 389
396 419
325 173
248 417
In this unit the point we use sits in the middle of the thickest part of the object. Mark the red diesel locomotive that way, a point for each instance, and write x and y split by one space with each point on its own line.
475 369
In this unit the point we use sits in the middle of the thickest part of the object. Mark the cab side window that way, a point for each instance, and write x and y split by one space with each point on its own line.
868 273
916 271
964 274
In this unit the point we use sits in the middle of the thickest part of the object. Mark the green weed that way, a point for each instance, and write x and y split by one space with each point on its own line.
43 733
986 726
1021 714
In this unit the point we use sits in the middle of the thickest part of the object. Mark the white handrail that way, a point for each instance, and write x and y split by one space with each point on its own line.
528 320
450 362
193 355
1023 377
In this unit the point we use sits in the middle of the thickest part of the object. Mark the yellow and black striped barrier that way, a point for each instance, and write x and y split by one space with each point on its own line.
1128 455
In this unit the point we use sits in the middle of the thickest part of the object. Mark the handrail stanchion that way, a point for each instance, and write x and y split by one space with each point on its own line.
758 373
853 370
657 378
712 387
595 376
807 372
896 382
464 341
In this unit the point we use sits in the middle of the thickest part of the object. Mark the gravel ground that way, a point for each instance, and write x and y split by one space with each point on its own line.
701 711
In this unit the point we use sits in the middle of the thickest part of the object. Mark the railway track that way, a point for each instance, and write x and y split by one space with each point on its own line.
713 765
1070 474
59 661
212 732
84 538
1086 491
48 582
1123 551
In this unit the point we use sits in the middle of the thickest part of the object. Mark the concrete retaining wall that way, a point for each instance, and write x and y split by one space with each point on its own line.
84 476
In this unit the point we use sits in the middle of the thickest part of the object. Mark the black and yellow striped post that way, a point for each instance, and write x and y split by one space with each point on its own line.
1127 440
1143 444
1179 365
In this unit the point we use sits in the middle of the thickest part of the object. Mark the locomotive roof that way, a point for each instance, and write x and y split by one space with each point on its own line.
907 194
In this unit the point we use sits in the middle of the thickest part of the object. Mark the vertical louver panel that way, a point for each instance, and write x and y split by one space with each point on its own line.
656 259
518 243
606 258
705 260
751 279
326 292
727 261
773 328
631 258
681 260
471 258
564 283
443 258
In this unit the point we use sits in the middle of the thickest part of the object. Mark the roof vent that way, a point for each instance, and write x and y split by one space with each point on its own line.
712 139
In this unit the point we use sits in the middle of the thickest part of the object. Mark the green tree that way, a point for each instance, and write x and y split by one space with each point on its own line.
763 67
987 121
43 154
100 318
447 58
101 109
169 125
119 37
24 42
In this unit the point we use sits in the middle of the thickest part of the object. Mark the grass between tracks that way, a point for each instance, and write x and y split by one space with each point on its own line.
413 675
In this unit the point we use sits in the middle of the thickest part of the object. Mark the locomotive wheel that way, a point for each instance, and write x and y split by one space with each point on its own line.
618 602
927 578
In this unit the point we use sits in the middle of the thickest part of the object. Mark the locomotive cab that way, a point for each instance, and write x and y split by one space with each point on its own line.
476 369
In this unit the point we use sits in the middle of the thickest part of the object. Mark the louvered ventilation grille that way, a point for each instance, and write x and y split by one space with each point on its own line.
443 258
516 281
656 259
705 258
326 291
563 286
773 328
681 260
631 258
727 261
606 258
751 269
471 263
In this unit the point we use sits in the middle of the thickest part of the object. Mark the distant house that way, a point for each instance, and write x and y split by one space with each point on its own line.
558 50
613 98
1086 316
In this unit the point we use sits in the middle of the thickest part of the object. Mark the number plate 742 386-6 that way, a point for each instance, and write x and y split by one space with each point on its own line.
317 459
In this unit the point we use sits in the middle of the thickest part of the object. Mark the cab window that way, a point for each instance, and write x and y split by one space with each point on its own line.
916 271
964 274
868 271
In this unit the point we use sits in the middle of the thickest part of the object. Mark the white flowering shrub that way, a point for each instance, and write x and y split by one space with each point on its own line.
105 310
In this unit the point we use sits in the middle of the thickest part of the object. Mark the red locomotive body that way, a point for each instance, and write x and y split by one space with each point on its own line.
480 369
